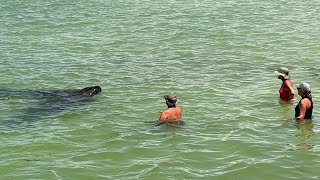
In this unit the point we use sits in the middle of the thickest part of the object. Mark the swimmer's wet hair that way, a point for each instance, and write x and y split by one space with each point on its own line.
172 98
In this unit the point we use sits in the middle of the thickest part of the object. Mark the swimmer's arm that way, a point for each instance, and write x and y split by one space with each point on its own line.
151 121
290 86
162 117
303 109
156 121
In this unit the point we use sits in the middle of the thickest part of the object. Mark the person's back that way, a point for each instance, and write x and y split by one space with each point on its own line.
172 113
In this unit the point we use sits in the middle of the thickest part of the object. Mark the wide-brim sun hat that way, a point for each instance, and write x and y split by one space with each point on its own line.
284 72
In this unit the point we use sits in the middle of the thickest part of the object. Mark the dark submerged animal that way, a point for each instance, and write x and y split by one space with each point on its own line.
50 102
87 91
41 94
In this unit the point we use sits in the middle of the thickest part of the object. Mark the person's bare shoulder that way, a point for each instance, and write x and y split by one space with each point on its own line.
306 102
179 109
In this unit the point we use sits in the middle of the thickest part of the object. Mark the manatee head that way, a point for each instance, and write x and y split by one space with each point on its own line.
91 90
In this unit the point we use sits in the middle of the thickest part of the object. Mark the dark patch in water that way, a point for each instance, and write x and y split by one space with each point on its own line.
50 102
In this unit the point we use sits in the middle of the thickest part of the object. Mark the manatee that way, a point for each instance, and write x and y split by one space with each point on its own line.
87 91
40 94
50 102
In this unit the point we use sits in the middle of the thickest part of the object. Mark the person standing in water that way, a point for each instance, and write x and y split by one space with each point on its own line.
171 115
304 108
173 112
286 90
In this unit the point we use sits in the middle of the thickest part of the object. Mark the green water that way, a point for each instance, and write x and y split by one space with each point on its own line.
217 56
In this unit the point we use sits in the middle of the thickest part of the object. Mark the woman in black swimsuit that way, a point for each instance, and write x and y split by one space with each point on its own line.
304 108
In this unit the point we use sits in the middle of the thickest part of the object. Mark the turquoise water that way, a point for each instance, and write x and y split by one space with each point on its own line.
217 56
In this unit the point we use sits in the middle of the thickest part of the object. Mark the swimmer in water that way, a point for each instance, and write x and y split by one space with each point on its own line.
286 90
171 115
304 108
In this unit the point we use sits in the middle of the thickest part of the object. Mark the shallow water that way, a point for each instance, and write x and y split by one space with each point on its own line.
217 56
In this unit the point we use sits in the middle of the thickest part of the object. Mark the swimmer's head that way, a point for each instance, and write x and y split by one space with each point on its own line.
305 87
283 72
171 99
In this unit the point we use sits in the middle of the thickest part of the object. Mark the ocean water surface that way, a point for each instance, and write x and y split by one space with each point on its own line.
219 57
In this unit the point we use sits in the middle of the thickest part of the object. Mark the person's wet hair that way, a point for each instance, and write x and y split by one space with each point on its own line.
171 100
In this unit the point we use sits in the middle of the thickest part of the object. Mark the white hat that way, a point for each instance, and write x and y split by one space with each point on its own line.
284 72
